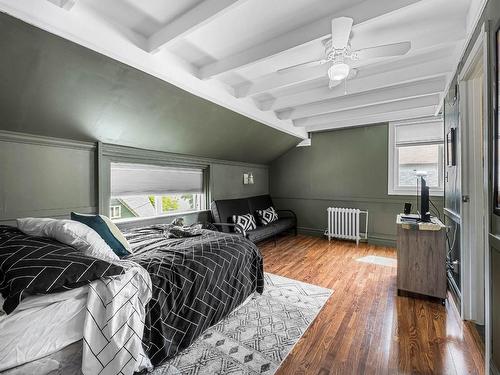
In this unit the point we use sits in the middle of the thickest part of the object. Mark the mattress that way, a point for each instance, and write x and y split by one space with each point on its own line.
55 320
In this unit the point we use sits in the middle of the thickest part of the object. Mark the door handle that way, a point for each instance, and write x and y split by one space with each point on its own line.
465 198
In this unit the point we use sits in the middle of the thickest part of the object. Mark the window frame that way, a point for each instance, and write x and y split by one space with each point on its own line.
393 187
114 217
205 193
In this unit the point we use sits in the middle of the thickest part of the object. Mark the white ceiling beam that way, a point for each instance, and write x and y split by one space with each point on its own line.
200 15
391 94
65 4
424 101
278 80
376 119
274 81
309 33
360 84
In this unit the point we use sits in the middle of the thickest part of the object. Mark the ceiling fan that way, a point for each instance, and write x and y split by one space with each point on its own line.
339 53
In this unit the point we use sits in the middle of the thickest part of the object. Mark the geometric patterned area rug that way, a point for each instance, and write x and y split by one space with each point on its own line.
256 337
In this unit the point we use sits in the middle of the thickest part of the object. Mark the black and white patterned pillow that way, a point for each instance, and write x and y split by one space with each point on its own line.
244 223
267 216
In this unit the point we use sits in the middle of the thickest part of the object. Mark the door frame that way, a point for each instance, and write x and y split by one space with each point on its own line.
478 54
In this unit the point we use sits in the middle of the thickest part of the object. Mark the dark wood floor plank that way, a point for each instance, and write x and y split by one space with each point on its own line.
365 328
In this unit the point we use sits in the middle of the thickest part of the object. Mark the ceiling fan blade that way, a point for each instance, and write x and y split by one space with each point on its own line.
303 65
395 49
341 30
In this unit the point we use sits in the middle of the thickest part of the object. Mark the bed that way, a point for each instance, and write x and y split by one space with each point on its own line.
154 302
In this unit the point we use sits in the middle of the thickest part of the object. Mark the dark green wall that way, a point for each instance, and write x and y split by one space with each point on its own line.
342 168
50 86
50 177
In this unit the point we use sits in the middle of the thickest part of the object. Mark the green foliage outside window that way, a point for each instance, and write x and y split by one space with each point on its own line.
168 203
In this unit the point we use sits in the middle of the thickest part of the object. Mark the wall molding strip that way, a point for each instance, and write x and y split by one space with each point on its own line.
396 200
40 140
139 154
49 212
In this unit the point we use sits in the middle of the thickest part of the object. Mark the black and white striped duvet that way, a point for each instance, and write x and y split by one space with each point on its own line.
36 265
196 282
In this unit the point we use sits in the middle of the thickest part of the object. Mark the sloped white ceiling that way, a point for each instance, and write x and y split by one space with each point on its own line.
230 51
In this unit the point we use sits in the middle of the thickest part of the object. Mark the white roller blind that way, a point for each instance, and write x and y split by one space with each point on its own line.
138 179
416 133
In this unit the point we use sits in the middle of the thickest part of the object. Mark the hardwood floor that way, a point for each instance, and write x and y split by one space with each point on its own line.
365 328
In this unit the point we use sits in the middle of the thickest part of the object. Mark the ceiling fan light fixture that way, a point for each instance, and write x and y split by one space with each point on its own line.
338 71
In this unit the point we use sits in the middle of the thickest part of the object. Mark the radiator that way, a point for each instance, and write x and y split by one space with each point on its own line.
344 223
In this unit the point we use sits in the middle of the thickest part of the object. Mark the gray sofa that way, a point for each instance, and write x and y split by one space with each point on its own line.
223 211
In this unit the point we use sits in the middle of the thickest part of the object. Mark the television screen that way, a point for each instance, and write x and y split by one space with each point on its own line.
425 215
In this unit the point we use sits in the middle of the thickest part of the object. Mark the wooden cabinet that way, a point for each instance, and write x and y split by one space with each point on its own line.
422 258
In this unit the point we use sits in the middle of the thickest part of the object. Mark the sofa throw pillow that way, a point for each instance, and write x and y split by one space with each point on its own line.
107 230
244 223
268 215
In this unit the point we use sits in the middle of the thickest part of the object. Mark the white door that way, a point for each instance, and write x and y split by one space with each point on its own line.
474 185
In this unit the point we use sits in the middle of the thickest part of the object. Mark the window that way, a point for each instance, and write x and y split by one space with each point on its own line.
148 190
415 147
115 212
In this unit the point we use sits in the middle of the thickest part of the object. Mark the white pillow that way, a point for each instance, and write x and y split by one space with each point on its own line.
81 237
69 232
34 226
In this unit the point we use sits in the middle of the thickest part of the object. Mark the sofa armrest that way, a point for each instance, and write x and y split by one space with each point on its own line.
290 212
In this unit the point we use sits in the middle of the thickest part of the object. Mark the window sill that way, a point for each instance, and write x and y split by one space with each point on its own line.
413 192
170 214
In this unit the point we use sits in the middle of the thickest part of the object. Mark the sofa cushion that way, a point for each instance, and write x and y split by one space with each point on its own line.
267 231
224 209
283 224
261 233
